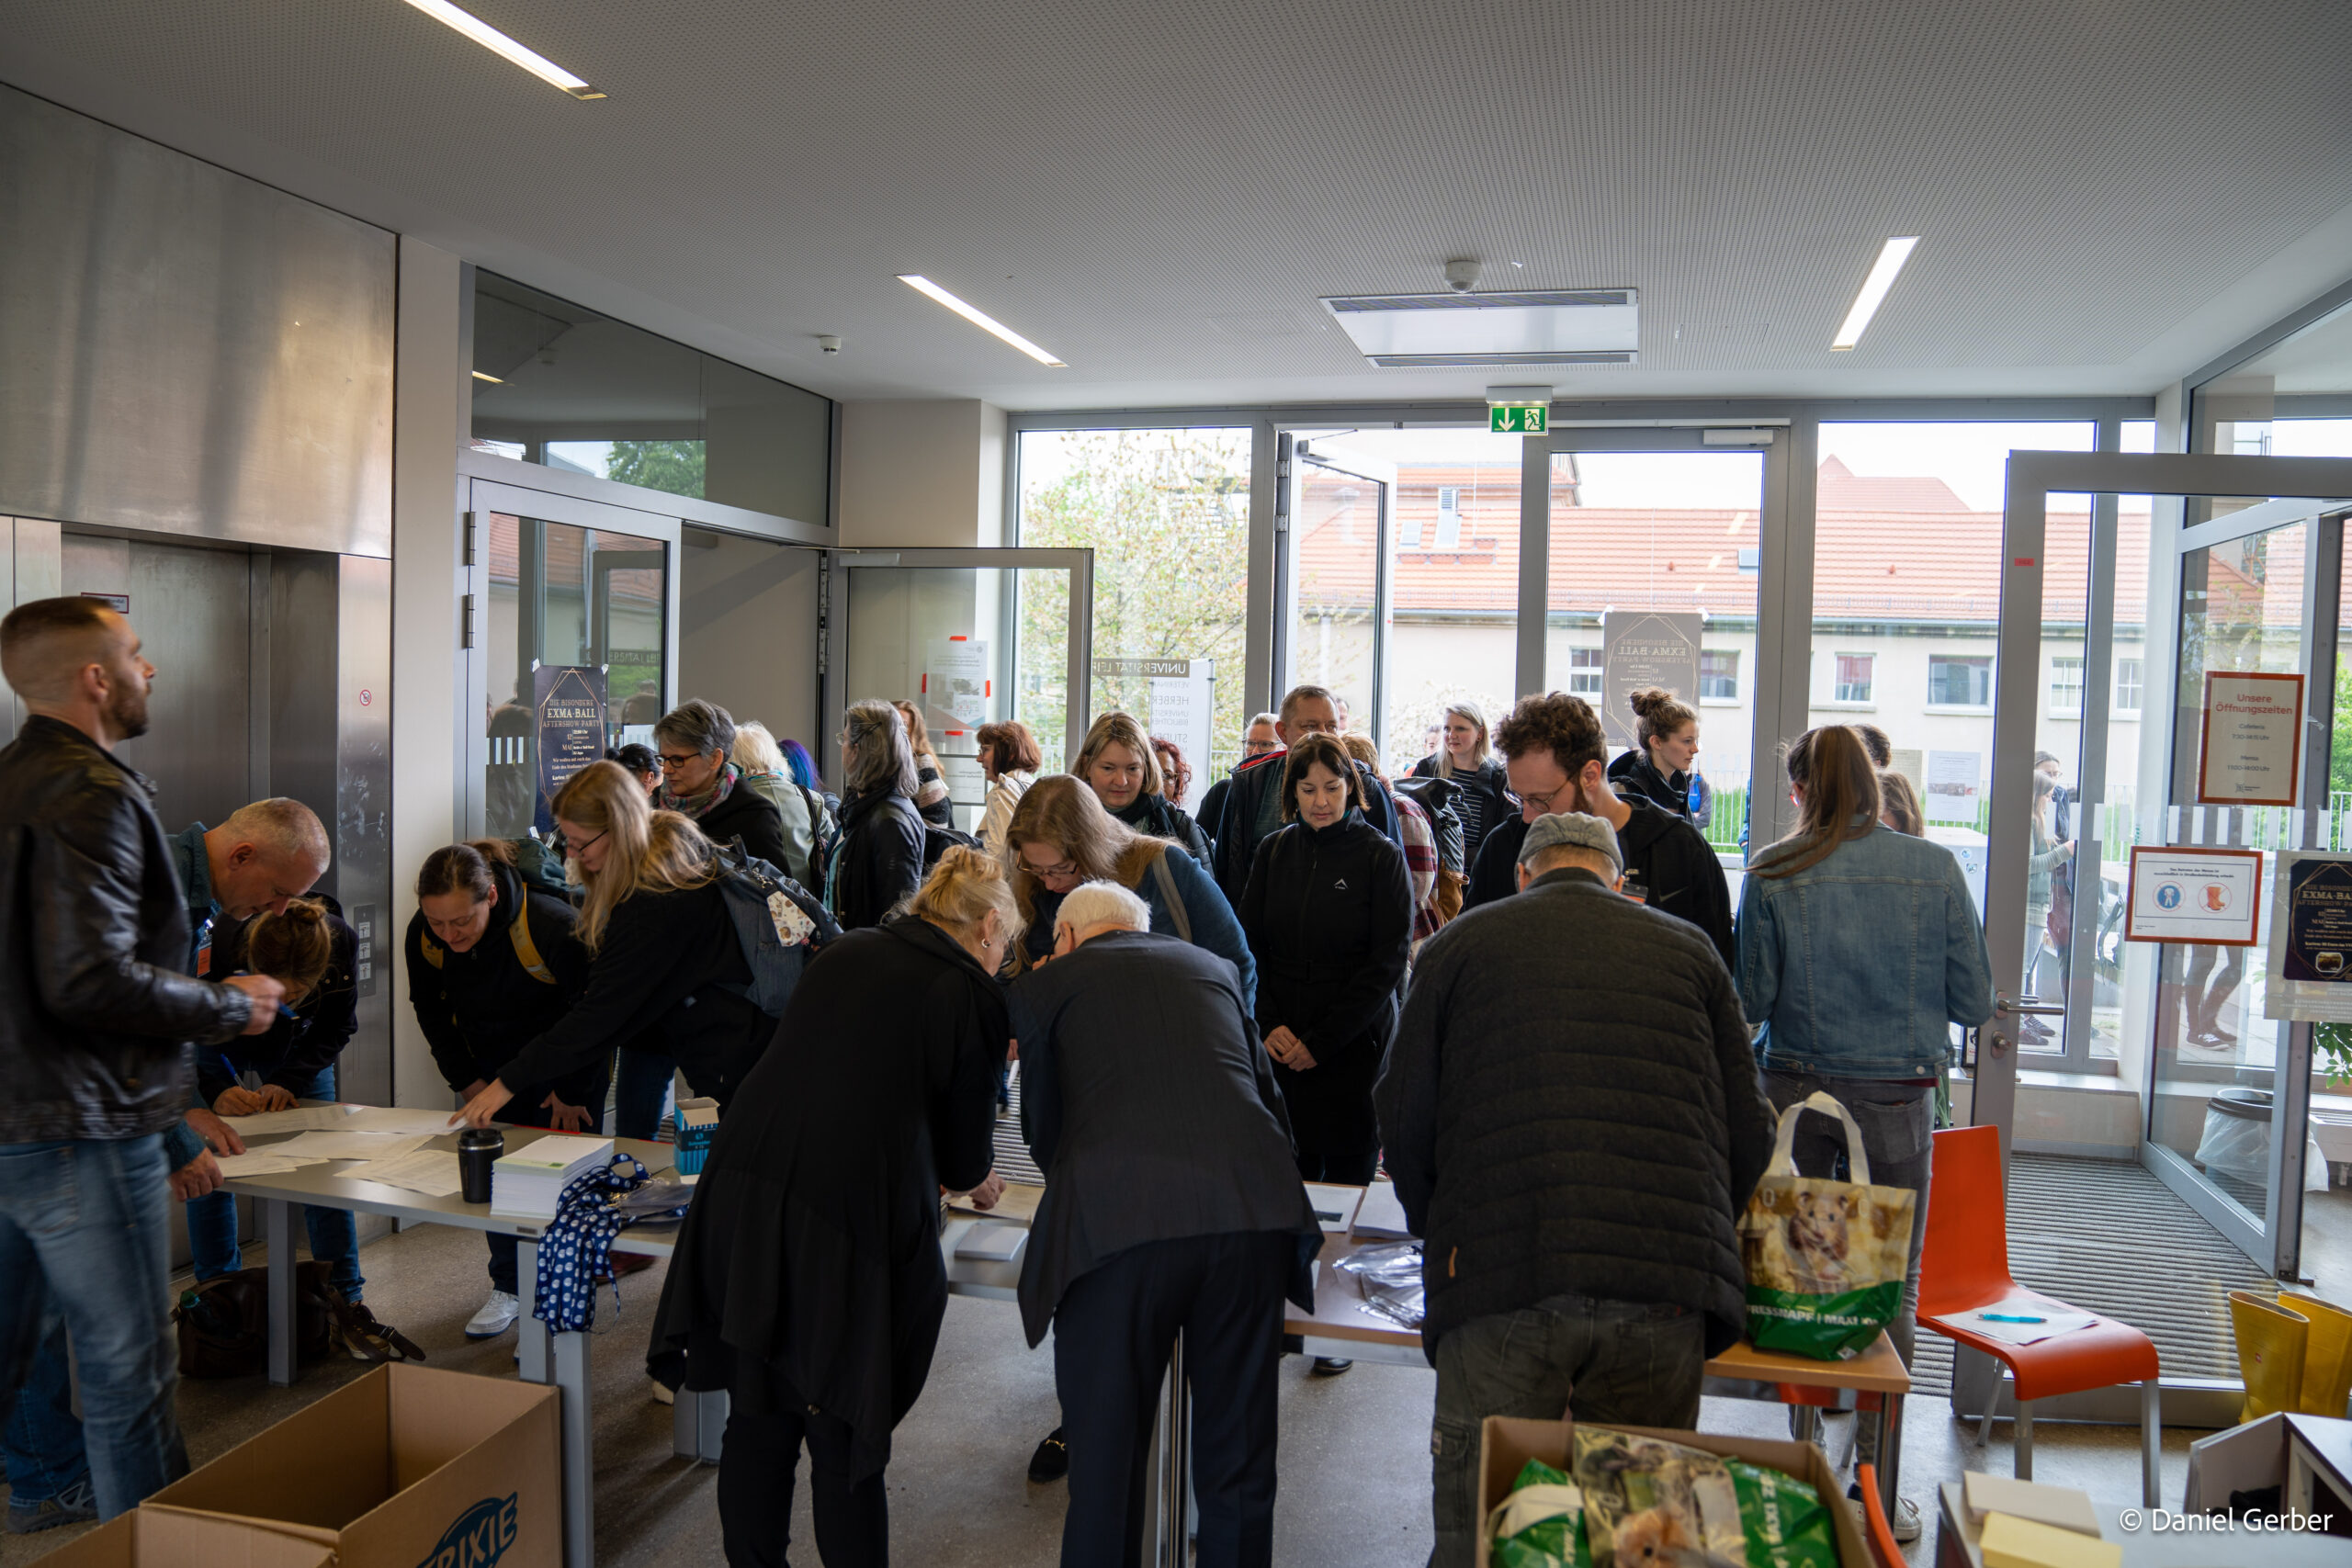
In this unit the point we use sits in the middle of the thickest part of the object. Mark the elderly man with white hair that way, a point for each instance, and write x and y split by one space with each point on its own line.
1172 1203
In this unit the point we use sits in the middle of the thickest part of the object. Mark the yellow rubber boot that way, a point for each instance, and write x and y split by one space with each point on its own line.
2327 1355
2271 1340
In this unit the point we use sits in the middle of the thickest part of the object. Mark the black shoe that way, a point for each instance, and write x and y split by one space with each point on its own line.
1331 1366
1051 1462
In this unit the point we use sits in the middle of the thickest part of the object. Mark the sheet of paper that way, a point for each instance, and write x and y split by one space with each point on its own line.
396 1119
301 1119
1334 1205
1381 1214
2052 1321
264 1163
433 1172
347 1145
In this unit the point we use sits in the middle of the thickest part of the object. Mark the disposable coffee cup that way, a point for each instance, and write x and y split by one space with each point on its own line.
478 1150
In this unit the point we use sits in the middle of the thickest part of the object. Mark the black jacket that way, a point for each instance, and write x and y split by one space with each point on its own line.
1634 774
811 1254
1329 918
478 1007
1679 872
748 814
879 861
94 1014
295 1049
1494 870
1571 1107
668 976
1212 812
1157 816
1153 1111
1485 799
1253 813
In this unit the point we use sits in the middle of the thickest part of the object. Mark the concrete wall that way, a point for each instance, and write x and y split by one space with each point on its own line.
922 473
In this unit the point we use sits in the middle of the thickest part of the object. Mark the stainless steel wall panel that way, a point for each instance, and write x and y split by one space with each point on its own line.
187 351
28 570
362 691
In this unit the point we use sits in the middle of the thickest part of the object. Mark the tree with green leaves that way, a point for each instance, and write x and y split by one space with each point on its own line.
674 468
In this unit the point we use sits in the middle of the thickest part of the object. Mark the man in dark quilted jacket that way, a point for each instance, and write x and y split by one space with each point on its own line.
1572 1115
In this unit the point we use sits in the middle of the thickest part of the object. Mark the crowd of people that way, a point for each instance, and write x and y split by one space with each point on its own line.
1512 976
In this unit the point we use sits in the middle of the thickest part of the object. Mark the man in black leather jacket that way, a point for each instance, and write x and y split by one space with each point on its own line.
96 1022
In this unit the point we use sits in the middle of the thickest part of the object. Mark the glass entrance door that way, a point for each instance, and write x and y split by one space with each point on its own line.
1336 627
966 638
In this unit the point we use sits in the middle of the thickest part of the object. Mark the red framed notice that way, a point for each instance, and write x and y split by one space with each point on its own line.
2210 897
2251 752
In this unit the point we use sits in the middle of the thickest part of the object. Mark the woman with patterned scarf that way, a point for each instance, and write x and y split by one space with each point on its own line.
693 740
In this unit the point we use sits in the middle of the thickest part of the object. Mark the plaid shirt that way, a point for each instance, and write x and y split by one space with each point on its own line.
1421 863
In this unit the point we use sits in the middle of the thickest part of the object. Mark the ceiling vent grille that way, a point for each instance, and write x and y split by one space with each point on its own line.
1552 326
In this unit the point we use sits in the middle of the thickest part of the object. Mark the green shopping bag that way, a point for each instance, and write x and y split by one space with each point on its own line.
1824 1260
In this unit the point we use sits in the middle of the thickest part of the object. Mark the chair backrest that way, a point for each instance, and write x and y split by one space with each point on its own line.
1885 1551
1965 1259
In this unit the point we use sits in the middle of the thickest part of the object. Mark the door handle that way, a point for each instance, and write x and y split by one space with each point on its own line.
2003 1007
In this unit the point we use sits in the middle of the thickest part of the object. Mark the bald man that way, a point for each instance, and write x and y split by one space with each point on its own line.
96 1067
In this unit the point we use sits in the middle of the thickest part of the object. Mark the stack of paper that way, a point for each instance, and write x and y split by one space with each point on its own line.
2062 1508
1380 1213
433 1172
2020 1320
323 1144
1334 1205
263 1162
527 1183
301 1119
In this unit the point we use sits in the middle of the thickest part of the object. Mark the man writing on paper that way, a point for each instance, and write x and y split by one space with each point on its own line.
1572 1116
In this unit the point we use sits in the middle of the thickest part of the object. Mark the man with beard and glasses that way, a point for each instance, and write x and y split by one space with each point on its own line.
1557 762
96 1067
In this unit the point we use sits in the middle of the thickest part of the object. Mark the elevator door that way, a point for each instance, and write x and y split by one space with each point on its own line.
194 609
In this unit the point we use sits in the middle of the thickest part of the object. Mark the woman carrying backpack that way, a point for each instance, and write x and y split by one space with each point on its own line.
878 862
662 947
491 962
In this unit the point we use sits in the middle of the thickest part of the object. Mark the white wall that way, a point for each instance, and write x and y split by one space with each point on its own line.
922 473
427 585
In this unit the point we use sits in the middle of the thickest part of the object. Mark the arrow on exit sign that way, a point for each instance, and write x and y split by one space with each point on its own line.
1511 419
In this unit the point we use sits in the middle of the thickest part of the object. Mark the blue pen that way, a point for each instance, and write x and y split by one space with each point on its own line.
2009 1317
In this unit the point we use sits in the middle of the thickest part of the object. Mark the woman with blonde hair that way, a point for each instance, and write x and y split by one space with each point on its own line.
808 1280
664 958
767 775
1465 755
1060 837
1121 766
930 780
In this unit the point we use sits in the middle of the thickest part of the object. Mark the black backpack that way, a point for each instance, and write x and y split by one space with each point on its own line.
1436 796
937 842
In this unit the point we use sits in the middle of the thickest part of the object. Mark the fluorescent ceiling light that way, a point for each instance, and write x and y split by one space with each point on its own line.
485 376
980 319
498 43
1524 327
1882 274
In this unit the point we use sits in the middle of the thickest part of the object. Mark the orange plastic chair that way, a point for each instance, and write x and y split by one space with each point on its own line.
1885 1551
1964 1266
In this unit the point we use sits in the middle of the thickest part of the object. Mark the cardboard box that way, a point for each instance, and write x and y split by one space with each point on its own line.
406 1468
153 1537
1506 1442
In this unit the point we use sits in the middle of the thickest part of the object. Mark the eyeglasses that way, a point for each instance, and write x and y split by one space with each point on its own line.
1066 868
672 760
1543 803
583 843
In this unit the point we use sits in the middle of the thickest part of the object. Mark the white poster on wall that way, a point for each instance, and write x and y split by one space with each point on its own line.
955 688
1955 785
1180 705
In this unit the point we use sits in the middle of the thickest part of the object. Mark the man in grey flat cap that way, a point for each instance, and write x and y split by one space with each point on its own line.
1572 1116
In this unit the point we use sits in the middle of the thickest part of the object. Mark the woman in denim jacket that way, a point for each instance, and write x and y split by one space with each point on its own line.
1859 948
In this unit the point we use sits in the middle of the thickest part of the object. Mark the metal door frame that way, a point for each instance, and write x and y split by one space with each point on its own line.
2033 477
833 623
1353 466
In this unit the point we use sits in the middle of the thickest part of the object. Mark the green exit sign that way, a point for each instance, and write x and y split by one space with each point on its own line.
1515 419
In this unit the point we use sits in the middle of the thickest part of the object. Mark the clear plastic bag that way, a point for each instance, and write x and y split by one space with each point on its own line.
1390 1278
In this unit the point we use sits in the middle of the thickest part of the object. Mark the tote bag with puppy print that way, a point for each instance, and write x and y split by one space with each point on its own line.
1824 1260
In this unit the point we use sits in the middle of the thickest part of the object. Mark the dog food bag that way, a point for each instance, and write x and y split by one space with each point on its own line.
1824 1260
1782 1520
1649 1503
1541 1524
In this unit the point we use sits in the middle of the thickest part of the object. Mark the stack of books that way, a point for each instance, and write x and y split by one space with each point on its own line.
525 1185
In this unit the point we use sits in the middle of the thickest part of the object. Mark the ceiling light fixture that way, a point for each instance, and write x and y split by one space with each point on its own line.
980 319
1890 258
498 43
1509 328
485 376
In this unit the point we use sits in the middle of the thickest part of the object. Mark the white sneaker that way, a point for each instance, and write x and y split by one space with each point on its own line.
498 1314
1902 1523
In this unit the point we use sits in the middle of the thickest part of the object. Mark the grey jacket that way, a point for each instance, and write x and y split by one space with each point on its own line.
1153 1111
1571 1108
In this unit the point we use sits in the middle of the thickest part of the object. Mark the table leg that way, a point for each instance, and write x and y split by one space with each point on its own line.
698 1424
1890 1448
278 1235
530 1333
570 1358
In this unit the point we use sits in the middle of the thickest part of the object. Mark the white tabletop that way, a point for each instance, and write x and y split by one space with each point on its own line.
2145 1547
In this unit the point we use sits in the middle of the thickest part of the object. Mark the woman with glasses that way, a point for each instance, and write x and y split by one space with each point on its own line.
666 970
877 865
1121 767
698 782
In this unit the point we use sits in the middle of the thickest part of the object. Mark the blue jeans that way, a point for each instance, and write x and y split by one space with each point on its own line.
334 1237
85 1234
640 1090
1612 1363
42 1441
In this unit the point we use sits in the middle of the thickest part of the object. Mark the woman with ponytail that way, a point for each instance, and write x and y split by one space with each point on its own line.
1859 949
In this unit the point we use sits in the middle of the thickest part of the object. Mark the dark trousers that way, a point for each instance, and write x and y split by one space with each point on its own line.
1113 1334
755 1479
1331 1124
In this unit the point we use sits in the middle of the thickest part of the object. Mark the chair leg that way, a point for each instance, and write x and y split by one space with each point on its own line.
2025 1440
1992 1406
2151 1440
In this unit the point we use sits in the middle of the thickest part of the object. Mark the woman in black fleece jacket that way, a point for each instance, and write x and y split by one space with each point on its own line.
1329 912
663 949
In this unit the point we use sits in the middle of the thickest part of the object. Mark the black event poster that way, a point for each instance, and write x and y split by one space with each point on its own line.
568 700
2319 921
